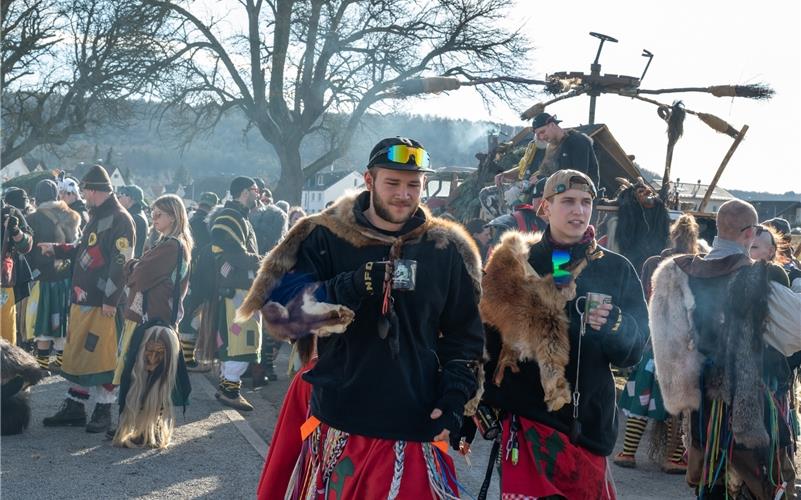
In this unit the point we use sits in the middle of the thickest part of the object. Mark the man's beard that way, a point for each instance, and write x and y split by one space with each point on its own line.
383 210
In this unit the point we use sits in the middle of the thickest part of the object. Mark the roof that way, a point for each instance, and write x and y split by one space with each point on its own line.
768 197
695 190
324 180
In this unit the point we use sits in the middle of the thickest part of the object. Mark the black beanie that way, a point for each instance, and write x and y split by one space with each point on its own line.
46 190
96 179
16 197
239 184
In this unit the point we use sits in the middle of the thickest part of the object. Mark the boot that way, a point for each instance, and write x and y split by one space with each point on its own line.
228 393
71 413
101 418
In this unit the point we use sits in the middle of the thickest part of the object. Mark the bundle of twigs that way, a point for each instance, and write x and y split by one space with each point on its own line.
715 123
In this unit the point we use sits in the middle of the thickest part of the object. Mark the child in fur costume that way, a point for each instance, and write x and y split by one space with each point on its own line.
19 371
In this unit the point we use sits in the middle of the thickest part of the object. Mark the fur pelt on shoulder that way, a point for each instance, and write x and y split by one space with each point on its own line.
529 312
736 378
19 371
678 362
66 222
303 315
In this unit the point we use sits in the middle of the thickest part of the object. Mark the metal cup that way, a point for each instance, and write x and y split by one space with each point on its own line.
594 300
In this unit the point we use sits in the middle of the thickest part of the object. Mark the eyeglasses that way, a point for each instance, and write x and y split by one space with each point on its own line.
757 226
401 153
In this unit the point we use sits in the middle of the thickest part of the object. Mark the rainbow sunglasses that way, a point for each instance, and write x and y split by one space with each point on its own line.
401 153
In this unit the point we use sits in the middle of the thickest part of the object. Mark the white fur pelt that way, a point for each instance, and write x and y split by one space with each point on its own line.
678 362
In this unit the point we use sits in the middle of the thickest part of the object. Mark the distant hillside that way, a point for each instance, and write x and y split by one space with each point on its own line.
150 155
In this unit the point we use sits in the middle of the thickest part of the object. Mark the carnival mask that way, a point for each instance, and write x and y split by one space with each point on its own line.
155 351
646 196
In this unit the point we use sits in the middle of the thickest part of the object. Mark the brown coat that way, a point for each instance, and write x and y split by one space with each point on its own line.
152 277
107 243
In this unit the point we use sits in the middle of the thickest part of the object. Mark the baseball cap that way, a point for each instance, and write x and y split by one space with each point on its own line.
564 180
543 119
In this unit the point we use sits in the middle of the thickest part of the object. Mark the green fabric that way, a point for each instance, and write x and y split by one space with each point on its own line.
641 395
52 309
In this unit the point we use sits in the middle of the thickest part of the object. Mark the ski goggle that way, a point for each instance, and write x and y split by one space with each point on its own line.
401 153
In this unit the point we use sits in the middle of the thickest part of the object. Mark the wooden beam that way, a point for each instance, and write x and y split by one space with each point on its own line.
722 166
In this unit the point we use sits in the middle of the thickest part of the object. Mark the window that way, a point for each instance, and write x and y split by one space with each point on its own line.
355 182
319 179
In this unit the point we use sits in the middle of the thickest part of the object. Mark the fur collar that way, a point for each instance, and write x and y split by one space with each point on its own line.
340 219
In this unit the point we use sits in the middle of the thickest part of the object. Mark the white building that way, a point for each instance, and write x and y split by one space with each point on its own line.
325 187
691 195
14 169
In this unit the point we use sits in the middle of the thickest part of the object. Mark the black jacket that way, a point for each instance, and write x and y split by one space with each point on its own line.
359 386
200 230
137 212
521 393
234 247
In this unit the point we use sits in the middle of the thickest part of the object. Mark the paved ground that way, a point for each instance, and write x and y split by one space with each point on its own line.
216 453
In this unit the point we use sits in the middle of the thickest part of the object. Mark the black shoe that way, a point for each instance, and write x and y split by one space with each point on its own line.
111 432
260 378
71 413
101 418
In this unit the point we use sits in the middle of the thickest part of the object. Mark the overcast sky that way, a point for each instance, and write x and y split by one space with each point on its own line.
695 43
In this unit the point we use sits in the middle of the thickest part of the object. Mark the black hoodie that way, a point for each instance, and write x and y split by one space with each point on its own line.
360 387
521 393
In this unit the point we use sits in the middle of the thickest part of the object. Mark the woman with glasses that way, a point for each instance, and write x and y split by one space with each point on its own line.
157 284
768 246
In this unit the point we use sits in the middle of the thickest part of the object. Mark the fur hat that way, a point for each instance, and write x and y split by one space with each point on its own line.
46 190
96 179
239 184
70 186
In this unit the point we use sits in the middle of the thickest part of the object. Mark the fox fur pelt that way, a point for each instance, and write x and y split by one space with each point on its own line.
19 371
304 315
529 312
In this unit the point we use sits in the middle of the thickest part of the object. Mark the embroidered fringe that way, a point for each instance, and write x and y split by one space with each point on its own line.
439 484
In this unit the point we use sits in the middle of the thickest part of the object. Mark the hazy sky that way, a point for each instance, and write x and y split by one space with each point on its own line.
695 43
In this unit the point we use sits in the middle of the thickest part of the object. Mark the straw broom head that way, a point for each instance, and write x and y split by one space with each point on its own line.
718 124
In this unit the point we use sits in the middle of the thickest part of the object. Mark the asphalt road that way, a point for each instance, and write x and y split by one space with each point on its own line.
216 453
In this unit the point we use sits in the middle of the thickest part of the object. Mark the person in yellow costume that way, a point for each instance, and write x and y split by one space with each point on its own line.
90 353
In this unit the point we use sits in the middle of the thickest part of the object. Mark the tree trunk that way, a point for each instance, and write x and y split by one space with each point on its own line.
290 184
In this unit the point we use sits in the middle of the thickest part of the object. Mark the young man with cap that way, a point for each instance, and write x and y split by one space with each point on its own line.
132 198
567 149
549 373
391 293
53 221
90 353
236 258
69 192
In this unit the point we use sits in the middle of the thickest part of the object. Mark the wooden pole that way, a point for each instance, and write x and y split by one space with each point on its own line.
722 166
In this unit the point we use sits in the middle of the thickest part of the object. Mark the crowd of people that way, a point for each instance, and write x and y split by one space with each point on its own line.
412 334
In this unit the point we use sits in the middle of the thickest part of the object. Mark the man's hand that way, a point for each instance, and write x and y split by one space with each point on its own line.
533 179
445 434
370 277
46 248
108 310
499 178
597 317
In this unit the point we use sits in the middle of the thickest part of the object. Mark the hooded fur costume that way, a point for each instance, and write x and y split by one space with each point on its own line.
687 334
448 280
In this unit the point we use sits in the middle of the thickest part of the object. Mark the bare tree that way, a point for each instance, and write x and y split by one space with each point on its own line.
316 66
68 65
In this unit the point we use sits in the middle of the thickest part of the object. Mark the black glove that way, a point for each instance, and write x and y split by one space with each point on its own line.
13 226
452 406
467 431
368 279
